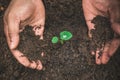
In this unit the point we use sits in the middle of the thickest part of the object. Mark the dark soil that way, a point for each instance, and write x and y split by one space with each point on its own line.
68 61
3 6
102 33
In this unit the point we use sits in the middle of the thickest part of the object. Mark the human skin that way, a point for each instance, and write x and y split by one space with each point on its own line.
31 12
19 14
106 8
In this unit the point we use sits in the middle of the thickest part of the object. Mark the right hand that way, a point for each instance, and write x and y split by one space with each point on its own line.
19 14
91 9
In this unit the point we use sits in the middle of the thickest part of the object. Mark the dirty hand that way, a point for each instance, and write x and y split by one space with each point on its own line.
19 14
91 9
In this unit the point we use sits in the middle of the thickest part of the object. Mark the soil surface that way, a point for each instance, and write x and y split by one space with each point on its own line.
68 61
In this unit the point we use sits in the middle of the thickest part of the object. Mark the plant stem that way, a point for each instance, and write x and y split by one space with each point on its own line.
61 41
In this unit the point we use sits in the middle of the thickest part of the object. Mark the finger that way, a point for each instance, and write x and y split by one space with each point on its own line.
14 40
21 58
89 13
105 57
110 50
39 65
39 31
116 27
97 58
114 46
36 65
25 62
13 32
11 29
32 65
105 54
90 27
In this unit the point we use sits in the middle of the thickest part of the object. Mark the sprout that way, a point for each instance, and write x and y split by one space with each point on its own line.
55 39
64 36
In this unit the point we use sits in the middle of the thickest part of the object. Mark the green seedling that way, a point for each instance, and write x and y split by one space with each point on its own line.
64 36
55 39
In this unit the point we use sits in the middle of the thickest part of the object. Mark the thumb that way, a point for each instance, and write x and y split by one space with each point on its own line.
12 33
14 40
89 13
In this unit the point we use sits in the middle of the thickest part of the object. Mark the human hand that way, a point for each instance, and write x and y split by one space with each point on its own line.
19 14
91 9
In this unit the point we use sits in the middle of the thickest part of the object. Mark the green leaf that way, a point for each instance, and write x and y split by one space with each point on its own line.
55 39
65 35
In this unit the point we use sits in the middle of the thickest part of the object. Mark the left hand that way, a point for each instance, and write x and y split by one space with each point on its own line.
19 14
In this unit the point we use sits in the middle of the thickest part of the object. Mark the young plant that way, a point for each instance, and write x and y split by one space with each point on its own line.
64 36
55 39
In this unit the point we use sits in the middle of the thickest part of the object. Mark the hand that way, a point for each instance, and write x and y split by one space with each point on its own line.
19 14
91 9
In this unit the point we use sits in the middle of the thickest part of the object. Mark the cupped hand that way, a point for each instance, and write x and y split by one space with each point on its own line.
91 9
19 14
